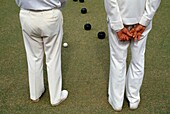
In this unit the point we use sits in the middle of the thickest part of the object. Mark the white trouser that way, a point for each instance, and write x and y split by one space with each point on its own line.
118 78
42 33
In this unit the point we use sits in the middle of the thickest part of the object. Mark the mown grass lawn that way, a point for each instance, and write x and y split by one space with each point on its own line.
85 64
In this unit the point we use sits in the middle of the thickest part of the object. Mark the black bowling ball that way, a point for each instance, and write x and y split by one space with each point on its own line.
101 35
83 10
81 1
87 26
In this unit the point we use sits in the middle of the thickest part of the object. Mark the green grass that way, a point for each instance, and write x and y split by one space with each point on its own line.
85 64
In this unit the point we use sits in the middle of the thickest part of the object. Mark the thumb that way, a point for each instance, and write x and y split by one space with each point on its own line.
138 28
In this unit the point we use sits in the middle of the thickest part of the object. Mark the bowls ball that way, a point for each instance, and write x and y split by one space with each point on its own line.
101 35
87 26
65 45
83 10
81 1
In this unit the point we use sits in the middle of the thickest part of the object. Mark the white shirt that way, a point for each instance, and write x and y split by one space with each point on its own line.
130 12
40 4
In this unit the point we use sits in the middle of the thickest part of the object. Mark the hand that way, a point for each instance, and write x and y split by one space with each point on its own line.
124 34
137 31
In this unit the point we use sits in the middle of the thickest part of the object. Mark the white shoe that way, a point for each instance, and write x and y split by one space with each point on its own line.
134 106
64 95
36 100
117 109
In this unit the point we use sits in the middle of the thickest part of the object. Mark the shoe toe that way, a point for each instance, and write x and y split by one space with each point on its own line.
117 109
64 95
133 106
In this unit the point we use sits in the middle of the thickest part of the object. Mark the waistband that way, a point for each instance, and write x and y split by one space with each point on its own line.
39 10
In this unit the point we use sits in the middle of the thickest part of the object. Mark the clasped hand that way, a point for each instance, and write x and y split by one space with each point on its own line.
135 33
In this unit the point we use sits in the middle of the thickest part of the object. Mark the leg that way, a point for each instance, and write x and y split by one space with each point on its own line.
136 70
52 46
35 53
118 55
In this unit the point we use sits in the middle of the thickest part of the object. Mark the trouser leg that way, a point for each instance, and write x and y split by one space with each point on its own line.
35 53
52 46
135 72
118 55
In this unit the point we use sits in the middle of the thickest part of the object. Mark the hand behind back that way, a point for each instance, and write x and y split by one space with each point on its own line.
136 32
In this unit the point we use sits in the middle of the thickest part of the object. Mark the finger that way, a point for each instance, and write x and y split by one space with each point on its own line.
126 37
142 30
135 39
120 38
119 35
126 31
132 30
135 34
138 36
123 37
129 34
137 29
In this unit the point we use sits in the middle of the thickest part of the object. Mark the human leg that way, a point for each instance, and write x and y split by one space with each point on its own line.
35 53
135 72
53 34
118 55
